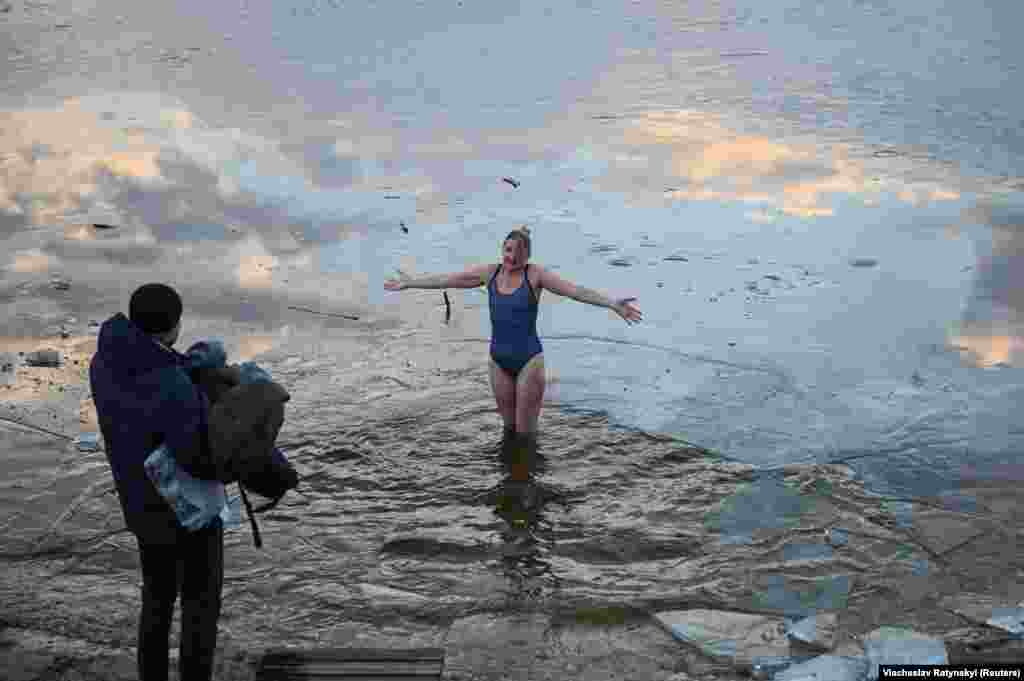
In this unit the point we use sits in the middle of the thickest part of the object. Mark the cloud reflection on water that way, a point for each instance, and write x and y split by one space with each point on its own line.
148 164
84 149
713 162
991 332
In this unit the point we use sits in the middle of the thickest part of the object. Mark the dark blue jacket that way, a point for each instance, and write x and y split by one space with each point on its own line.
144 397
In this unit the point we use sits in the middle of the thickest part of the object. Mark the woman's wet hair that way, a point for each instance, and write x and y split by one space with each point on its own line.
523 235
155 308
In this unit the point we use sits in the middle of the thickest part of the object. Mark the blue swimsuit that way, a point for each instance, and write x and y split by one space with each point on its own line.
514 339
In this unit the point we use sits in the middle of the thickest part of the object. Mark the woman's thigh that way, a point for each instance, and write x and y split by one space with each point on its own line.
504 387
530 394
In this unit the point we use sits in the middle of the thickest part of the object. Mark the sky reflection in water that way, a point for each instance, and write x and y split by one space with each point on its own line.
770 213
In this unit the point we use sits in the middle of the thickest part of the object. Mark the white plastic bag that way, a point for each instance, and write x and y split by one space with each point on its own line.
196 502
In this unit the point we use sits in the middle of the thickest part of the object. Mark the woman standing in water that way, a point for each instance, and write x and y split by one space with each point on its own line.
517 358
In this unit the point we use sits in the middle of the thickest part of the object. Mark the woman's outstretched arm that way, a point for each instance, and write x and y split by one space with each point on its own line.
471 277
624 307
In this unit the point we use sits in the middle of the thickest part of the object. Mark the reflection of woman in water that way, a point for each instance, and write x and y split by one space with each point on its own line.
528 538
517 359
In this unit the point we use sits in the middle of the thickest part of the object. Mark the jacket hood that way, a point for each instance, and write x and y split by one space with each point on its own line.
129 351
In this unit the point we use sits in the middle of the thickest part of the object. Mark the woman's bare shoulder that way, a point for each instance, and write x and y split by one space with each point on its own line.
536 275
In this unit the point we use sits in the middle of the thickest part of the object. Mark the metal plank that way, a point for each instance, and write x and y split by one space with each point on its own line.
369 664
356 653
351 668
352 664
286 676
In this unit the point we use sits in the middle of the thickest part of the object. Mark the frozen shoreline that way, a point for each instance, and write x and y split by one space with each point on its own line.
893 564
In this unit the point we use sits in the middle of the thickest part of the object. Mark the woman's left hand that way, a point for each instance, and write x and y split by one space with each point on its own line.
628 310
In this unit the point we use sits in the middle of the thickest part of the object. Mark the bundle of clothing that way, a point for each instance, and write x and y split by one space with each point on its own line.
246 414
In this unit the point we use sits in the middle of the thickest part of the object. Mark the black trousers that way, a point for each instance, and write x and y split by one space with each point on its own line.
193 566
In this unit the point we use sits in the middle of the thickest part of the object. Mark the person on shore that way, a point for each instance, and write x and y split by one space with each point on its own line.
144 397
517 357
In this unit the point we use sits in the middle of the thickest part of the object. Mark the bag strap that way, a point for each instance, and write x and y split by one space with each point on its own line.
251 512
252 518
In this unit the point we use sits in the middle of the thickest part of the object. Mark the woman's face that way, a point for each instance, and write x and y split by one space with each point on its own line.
514 253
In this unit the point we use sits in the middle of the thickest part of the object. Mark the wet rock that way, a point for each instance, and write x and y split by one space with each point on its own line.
942 531
765 504
863 262
123 668
826 668
817 631
744 641
388 596
627 546
27 665
982 609
495 647
434 549
982 645
43 358
895 645
802 597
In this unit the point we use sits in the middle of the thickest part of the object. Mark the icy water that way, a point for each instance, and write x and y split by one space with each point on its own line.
818 206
